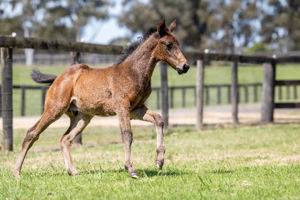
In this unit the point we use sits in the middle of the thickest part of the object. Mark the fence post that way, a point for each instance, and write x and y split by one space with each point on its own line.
43 99
267 105
76 60
234 92
199 93
164 93
7 109
76 57
23 101
0 98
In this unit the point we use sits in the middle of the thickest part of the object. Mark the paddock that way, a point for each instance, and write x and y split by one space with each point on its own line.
224 162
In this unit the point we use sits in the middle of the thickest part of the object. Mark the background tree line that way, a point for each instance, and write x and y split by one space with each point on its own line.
228 26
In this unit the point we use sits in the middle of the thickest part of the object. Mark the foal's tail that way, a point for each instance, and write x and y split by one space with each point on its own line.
39 77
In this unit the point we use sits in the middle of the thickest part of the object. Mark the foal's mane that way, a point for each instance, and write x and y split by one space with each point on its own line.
131 47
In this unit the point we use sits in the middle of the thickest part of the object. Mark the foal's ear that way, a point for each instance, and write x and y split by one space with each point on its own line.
162 28
172 26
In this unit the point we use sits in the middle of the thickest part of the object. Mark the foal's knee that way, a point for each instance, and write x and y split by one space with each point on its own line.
127 137
30 138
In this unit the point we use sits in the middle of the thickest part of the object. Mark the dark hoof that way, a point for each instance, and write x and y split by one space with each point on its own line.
73 172
159 164
134 175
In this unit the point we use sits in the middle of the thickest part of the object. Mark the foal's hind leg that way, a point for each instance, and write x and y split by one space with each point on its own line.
78 123
143 113
33 134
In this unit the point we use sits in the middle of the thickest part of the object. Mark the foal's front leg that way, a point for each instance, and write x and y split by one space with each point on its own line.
143 113
126 134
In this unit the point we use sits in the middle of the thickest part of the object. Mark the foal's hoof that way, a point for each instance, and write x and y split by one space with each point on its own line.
134 175
73 172
159 164
16 174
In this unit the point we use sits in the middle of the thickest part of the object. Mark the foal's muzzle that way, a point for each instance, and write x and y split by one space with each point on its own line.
184 69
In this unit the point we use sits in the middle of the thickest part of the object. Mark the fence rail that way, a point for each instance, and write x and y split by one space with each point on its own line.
36 43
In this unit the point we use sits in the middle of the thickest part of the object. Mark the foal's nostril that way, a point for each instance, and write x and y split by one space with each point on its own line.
186 68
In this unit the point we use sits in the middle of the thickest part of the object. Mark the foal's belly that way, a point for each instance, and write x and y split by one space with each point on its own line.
103 108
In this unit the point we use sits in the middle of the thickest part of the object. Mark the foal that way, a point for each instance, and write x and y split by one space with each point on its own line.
82 92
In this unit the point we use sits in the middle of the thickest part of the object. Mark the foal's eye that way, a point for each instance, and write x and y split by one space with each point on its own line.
169 45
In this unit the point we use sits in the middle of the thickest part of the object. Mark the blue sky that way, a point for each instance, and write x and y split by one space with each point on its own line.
102 32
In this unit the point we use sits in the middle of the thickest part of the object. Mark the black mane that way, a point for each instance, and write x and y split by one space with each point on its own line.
131 47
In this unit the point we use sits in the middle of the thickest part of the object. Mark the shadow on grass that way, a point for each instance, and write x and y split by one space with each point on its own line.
222 171
153 173
142 173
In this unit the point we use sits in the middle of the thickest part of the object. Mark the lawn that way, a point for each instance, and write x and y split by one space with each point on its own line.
233 162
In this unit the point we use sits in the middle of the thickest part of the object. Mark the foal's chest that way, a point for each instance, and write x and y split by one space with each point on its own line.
141 97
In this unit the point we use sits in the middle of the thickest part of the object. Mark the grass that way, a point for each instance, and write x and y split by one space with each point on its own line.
215 74
241 162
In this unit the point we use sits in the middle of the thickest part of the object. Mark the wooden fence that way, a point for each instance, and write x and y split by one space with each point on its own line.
268 91
181 96
268 87
187 95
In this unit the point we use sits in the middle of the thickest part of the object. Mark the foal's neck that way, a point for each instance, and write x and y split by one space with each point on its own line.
143 61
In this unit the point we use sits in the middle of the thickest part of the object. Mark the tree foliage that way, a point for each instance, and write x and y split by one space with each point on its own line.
281 24
222 25
51 19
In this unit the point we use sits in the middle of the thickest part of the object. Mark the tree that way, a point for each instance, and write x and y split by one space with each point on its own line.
50 19
70 17
191 17
214 24
235 24
257 48
281 24
53 19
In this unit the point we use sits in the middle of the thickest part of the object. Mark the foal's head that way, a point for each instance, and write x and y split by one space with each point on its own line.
167 48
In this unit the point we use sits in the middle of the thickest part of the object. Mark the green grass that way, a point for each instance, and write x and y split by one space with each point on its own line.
242 162
214 74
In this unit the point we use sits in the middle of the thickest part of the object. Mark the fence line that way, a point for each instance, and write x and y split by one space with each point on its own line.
221 92
36 43
8 43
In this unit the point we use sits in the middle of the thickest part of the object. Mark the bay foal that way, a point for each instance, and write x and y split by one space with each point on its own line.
82 92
